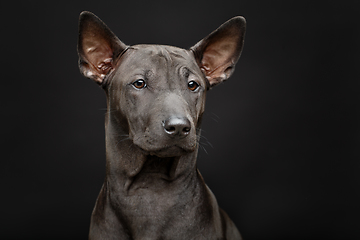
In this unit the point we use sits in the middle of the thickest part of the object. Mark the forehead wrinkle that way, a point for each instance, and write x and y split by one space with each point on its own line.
163 52
172 60
170 55
158 51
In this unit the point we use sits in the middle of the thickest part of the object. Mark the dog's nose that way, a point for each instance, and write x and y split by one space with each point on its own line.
177 126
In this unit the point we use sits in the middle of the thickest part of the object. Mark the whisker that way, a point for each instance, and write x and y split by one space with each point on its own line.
215 117
203 148
206 143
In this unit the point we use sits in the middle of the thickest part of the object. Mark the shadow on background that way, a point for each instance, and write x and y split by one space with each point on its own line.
280 146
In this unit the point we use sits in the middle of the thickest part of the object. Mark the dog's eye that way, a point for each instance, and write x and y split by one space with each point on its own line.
139 84
192 85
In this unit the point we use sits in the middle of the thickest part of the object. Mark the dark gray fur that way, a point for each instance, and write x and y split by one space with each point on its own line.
155 101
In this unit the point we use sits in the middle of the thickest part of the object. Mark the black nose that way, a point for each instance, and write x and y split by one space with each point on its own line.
177 126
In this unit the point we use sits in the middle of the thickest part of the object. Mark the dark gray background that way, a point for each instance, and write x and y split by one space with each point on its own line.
284 161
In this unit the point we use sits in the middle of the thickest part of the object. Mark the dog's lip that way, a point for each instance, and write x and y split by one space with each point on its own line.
167 151
171 149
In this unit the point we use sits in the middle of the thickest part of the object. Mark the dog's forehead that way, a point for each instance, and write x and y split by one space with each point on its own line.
159 56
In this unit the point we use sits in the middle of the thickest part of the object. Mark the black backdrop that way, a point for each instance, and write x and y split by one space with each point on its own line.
284 130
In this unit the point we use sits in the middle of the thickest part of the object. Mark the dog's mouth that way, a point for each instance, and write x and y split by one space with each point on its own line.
164 147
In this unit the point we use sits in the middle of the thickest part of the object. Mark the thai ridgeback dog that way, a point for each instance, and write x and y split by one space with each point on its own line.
155 102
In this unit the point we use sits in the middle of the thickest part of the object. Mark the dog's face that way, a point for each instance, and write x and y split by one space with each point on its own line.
157 93
151 85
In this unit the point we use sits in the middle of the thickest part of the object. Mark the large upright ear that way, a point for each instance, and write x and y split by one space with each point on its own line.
218 53
98 47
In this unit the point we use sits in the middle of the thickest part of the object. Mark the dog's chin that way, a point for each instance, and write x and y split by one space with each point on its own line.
167 152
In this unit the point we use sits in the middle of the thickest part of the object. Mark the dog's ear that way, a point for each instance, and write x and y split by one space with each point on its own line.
98 47
218 53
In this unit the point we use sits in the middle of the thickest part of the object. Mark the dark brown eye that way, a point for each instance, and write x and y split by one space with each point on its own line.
139 84
192 85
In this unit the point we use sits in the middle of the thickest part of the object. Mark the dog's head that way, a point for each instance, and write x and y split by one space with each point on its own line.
157 93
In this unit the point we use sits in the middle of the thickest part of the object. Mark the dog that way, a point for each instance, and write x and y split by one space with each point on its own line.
155 102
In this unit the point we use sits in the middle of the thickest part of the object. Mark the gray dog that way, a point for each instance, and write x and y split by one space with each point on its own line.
155 101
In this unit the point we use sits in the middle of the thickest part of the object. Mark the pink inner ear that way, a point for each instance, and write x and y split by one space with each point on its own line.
217 57
99 54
